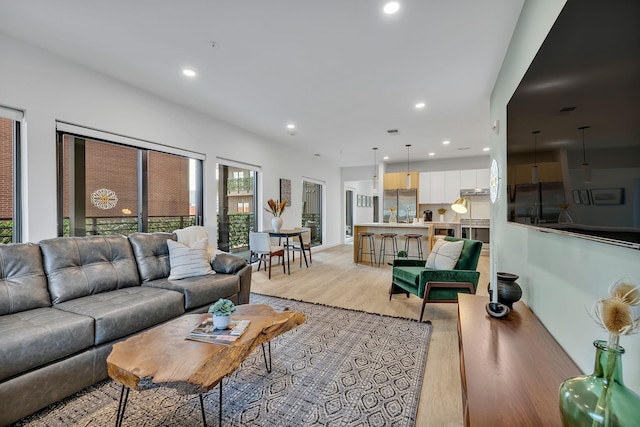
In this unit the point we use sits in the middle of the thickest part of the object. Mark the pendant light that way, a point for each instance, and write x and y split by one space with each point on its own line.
534 169
408 174
585 168
375 170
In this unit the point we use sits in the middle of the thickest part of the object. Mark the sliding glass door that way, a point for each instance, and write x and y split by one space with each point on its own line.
10 213
236 203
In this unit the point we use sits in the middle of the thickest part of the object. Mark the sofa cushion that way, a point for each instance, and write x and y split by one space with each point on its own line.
23 285
227 263
152 254
125 311
444 255
188 260
201 290
33 338
81 266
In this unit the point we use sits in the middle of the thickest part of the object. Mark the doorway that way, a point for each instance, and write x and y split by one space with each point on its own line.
348 202
236 204
312 210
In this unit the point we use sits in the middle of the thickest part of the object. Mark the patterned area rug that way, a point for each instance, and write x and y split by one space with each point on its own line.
341 368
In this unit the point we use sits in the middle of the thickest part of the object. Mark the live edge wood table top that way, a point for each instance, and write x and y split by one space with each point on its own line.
162 357
511 368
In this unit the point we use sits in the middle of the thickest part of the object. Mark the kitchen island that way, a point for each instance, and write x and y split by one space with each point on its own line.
425 229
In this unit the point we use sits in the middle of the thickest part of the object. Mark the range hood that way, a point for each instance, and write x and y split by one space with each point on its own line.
474 191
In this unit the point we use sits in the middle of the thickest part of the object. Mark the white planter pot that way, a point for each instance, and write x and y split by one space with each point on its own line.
276 223
221 322
441 217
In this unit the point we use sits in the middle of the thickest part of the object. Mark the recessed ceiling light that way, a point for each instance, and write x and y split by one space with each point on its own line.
432 154
486 149
446 142
420 105
391 7
385 158
291 126
188 72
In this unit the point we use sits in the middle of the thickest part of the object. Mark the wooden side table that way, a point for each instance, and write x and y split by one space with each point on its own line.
511 368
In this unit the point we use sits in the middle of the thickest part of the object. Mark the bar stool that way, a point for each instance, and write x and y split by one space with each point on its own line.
407 240
372 246
394 246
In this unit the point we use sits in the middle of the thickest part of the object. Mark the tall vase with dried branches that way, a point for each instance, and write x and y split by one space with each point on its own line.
276 209
601 399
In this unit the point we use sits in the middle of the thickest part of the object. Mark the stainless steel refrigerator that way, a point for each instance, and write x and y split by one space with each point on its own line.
405 202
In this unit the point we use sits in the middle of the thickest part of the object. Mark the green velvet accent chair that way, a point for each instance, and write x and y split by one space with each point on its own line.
410 276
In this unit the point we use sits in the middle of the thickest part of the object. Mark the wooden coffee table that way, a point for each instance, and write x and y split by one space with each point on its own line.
162 357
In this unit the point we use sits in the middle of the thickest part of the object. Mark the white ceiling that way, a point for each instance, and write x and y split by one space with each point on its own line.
341 70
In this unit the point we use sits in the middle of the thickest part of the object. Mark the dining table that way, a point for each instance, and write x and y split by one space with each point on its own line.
286 234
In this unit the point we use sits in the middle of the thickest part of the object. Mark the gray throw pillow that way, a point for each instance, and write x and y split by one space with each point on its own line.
228 264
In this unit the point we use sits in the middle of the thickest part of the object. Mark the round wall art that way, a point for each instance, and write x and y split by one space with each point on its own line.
104 199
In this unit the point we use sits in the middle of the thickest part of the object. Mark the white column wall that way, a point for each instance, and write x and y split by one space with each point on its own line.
561 276
50 88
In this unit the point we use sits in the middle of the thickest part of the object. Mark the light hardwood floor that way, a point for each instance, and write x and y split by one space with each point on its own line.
334 279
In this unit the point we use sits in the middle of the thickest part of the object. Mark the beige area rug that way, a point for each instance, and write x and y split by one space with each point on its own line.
341 368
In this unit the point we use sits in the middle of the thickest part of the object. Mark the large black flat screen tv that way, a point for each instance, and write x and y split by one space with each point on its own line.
573 127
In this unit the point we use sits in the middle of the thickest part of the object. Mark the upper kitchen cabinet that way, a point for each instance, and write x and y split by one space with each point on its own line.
398 180
439 187
474 178
452 186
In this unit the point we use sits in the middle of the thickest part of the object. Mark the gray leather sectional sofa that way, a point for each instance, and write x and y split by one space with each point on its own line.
65 301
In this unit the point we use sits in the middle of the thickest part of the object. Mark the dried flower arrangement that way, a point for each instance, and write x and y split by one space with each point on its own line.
620 312
276 208
442 211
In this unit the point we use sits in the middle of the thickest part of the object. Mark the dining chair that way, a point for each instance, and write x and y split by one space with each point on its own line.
262 250
306 243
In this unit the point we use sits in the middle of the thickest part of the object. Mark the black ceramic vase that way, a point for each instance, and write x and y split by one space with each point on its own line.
508 290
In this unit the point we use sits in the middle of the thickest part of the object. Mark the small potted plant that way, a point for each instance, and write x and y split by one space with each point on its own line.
402 255
442 211
221 311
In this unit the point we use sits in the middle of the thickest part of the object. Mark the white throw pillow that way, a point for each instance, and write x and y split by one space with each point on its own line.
188 261
444 255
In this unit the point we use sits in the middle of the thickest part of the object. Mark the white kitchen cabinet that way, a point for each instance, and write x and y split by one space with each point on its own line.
437 187
425 187
451 186
474 178
482 178
440 187
468 178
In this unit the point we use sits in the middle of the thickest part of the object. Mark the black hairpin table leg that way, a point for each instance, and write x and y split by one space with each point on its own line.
264 354
122 404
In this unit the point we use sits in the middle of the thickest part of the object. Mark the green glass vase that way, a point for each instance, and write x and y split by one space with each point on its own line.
600 399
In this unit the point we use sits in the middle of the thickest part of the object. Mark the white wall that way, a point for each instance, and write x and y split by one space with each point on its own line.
561 276
49 88
363 188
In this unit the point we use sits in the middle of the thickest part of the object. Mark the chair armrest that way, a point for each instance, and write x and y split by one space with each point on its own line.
409 262
450 276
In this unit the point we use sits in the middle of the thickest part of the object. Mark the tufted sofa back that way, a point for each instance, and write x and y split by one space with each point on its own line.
23 285
81 266
152 254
